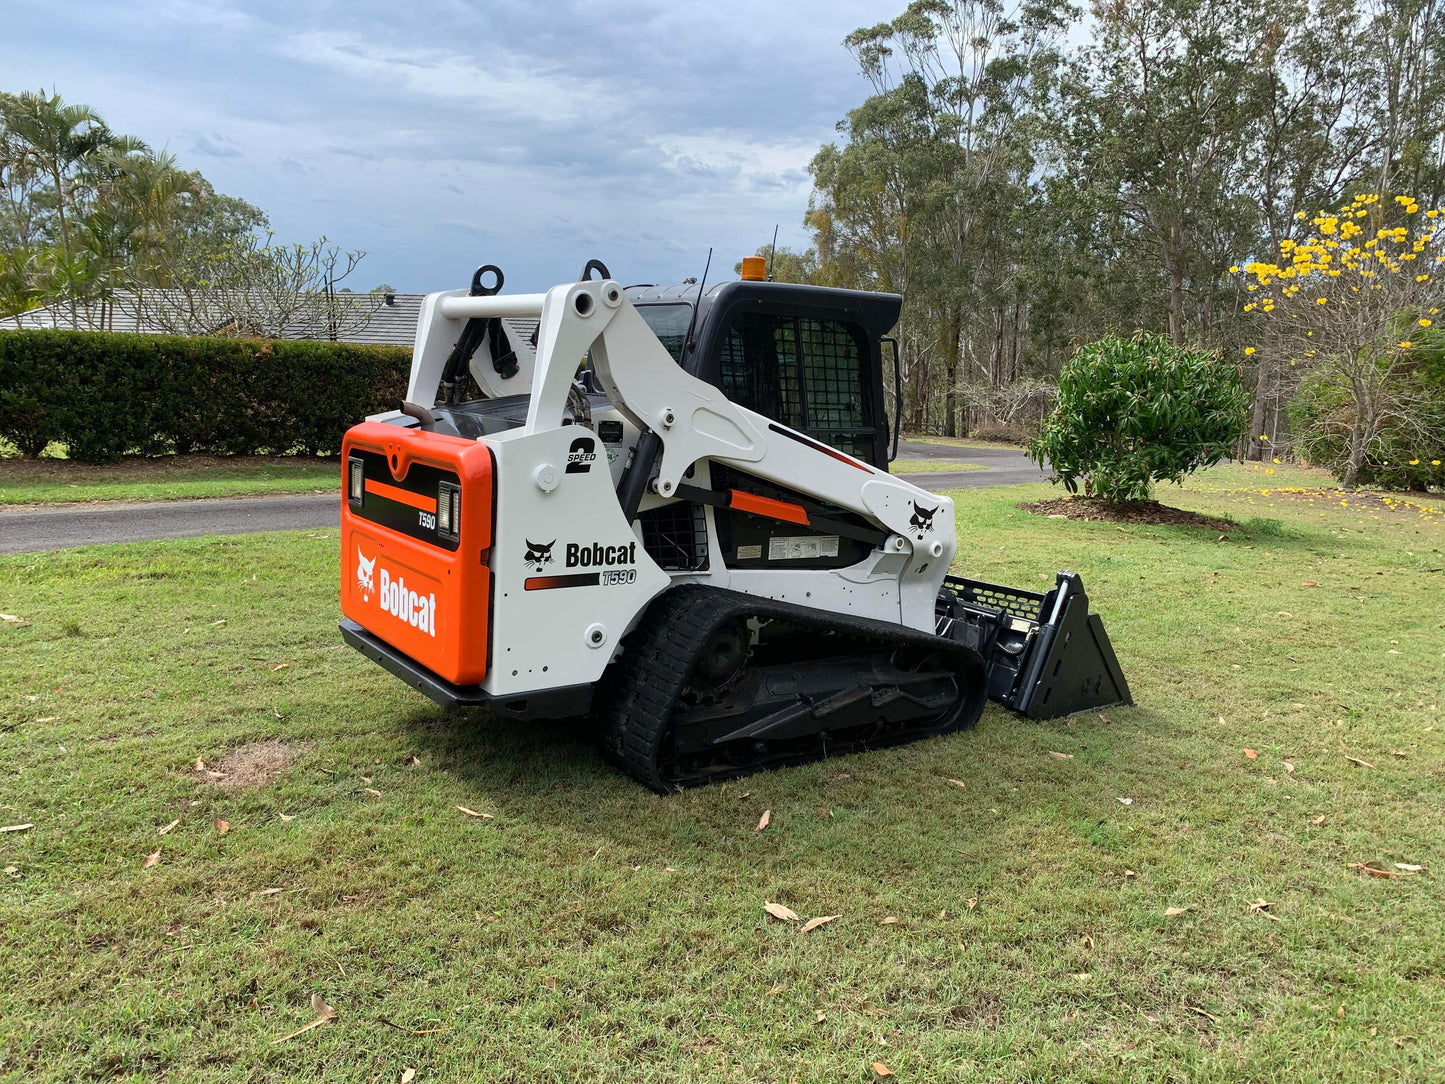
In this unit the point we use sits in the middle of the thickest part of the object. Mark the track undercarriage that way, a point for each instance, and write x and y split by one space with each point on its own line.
716 684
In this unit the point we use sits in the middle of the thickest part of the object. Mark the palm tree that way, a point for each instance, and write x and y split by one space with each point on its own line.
59 142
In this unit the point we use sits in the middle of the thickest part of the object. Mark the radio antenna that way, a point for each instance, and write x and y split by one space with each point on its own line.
696 304
772 251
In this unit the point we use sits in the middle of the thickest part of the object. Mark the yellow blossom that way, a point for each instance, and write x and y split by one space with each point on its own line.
1249 350
1405 345
1424 323
1322 301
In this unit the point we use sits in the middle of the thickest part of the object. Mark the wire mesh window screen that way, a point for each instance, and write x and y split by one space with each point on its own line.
835 377
806 373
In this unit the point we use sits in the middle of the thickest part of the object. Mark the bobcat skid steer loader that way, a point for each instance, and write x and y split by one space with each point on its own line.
691 534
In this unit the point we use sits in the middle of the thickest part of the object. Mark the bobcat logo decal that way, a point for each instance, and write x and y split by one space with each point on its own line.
922 520
364 571
539 556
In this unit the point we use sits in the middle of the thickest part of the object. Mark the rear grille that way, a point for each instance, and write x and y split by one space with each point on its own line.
675 536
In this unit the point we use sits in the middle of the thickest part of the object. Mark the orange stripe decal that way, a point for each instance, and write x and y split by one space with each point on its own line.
402 496
766 506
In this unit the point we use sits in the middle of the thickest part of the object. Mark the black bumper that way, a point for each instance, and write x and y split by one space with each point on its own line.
563 703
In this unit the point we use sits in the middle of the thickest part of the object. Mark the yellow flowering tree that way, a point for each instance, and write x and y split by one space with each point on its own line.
1348 302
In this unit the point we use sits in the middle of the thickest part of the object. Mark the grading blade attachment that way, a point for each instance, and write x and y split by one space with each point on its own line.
1047 656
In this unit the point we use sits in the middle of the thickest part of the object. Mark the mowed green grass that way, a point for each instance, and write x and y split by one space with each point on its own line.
594 931
64 481
931 466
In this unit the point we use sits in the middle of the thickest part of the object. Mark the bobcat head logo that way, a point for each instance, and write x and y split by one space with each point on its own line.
539 556
364 569
922 520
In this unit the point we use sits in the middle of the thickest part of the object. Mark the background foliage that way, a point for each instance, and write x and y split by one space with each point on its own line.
107 394
1027 194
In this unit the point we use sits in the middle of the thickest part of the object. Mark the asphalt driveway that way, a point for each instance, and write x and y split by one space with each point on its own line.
29 530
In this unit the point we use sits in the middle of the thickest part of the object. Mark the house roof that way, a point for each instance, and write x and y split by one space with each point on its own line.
157 312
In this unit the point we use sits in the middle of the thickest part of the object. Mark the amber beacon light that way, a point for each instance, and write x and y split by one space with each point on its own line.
755 269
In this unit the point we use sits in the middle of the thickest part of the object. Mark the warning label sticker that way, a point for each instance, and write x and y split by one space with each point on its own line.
802 547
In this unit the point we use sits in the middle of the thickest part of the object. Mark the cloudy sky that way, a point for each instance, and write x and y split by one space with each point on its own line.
448 133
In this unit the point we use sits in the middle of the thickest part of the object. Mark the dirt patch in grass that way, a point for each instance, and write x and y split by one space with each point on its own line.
1151 513
256 764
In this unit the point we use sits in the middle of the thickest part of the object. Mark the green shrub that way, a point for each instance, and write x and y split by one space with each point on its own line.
107 394
1135 411
1408 452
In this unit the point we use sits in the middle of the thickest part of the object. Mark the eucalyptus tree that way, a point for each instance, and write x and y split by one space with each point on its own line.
925 195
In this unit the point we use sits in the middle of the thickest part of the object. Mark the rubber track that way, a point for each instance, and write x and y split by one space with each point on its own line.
641 691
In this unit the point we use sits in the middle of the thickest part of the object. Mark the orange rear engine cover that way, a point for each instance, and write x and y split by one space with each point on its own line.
415 547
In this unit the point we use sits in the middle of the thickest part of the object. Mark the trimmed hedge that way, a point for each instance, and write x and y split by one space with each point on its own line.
106 394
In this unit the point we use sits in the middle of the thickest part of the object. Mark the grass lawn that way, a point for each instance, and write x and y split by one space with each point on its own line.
62 481
589 930
931 466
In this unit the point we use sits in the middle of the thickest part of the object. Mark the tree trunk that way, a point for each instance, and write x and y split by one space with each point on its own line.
1255 447
951 353
1356 456
1176 288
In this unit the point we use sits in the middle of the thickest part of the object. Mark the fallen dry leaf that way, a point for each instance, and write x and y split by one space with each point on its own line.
168 828
1129 873
881 1069
971 902
821 920
324 1015
1250 754
820 1017
222 826
280 666
765 820
1288 768
1087 941
287 816
1361 763
12 869
891 920
1374 869
1398 753
408 1075
200 764
1309 583
17 828
1171 912
1261 907
151 860
775 990
959 783
1408 867
1125 801
1318 820
373 792
266 892
489 816
1201 1012
781 913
